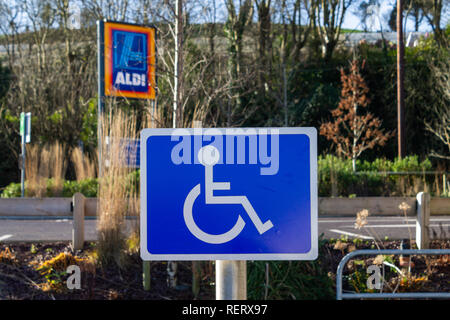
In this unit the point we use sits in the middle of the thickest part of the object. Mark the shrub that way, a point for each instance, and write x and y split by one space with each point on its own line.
85 167
87 187
12 190
337 179
45 162
115 185
298 280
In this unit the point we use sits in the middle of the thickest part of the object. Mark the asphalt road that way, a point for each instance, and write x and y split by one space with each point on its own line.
378 227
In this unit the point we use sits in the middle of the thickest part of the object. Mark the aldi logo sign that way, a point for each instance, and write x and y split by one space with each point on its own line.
129 60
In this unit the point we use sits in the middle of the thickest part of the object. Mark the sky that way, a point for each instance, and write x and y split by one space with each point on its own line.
353 22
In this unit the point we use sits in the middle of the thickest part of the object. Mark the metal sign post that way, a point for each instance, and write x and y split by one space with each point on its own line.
231 195
126 69
25 133
231 280
101 89
126 65
22 167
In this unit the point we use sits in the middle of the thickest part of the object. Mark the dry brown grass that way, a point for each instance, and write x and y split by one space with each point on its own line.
57 164
85 167
43 163
34 181
117 198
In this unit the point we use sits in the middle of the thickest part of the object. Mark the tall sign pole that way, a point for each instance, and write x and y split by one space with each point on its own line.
126 65
22 162
25 133
126 69
178 64
101 89
400 82
177 113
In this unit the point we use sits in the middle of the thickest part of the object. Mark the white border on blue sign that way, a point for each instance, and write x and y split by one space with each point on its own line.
311 255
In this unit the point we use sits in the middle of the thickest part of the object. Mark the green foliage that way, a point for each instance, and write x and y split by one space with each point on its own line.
56 118
6 114
132 181
310 110
33 249
88 133
5 77
289 280
11 191
87 187
336 177
8 140
298 280
358 279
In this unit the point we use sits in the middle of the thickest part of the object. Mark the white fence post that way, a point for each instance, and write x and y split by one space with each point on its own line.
423 220
78 221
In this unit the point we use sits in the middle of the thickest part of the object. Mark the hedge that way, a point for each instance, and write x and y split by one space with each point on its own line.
335 178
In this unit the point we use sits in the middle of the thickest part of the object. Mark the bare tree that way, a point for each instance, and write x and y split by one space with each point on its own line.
41 14
329 18
440 127
235 25
51 77
62 11
178 65
302 22
9 27
296 21
433 10
118 10
264 40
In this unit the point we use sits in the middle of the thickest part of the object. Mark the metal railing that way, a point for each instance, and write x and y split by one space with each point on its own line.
411 295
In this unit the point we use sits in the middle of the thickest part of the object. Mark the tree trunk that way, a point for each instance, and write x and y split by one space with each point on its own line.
264 41
178 66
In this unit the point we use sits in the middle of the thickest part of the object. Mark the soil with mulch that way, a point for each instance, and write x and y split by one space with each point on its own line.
21 279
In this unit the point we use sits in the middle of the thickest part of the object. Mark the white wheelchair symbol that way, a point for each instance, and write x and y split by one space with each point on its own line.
208 157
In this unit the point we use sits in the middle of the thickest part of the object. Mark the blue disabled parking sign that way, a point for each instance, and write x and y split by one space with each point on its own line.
229 194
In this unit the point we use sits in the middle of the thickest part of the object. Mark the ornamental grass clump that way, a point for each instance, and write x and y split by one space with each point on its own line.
116 197
85 167
45 169
57 167
36 178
